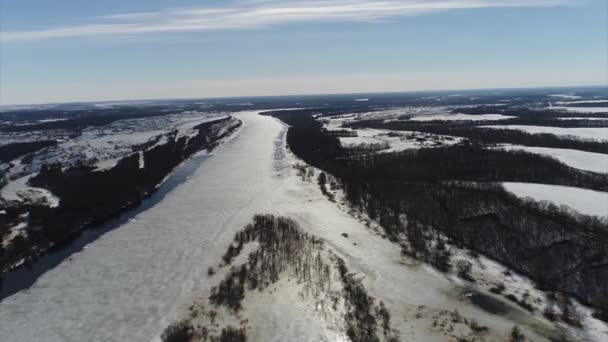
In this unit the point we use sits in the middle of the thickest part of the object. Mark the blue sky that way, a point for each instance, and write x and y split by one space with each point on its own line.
75 50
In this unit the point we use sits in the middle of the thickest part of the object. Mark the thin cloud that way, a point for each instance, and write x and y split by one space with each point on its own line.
131 16
254 14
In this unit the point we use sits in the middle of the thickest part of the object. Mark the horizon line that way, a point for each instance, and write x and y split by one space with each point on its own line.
304 95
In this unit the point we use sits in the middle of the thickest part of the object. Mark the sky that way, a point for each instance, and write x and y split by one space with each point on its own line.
75 50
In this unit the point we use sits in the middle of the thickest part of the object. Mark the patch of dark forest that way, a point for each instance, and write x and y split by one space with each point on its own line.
89 197
454 191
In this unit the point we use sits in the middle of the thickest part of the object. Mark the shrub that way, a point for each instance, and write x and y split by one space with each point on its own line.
517 335
476 327
178 332
498 289
231 334
463 268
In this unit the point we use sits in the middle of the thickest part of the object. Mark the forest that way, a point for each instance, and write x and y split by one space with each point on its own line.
453 191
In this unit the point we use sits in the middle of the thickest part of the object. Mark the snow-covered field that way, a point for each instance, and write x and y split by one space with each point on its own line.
398 140
582 118
566 96
464 117
588 161
580 109
135 280
585 201
394 113
596 133
336 122
395 140
581 102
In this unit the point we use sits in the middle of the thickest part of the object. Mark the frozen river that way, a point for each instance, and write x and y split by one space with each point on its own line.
131 282
126 284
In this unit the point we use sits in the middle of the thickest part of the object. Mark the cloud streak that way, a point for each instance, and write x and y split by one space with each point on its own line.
255 14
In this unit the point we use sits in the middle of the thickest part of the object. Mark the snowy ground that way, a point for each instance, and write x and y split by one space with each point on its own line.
135 280
585 201
596 133
566 96
580 109
395 140
19 191
463 117
336 122
583 118
398 140
589 161
392 113
581 102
